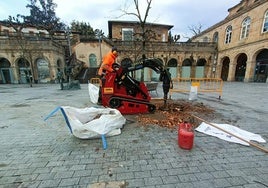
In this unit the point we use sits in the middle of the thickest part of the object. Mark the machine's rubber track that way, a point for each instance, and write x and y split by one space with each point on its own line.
151 107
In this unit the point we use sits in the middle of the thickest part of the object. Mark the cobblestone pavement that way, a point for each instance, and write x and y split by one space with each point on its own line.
35 153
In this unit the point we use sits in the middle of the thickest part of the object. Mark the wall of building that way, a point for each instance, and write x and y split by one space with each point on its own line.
256 41
159 30
37 55
201 57
84 49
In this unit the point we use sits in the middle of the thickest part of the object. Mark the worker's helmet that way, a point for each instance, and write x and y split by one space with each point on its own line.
114 51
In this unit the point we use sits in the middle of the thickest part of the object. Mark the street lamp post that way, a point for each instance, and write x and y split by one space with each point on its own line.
100 34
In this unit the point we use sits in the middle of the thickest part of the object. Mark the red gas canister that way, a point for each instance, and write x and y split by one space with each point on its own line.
186 136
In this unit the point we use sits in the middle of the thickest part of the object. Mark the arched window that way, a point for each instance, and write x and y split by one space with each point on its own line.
228 35
245 28
216 37
265 23
93 60
43 71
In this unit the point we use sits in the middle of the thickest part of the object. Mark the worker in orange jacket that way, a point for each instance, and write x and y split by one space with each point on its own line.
108 61
106 67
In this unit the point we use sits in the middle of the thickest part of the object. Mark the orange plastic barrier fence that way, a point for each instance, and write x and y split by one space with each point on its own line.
183 85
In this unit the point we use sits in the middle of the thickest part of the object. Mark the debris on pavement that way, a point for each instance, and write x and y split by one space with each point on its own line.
176 111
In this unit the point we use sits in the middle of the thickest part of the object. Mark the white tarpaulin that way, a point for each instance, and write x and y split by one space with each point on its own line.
92 122
209 130
93 93
193 93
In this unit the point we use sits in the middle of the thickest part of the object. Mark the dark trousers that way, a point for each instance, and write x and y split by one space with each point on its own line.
166 90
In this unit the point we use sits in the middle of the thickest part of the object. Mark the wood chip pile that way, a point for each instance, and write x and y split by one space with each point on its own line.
175 112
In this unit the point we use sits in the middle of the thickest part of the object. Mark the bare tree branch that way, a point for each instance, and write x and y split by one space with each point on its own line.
145 33
196 29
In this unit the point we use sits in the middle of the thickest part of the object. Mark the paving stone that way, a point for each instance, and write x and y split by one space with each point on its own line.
112 184
40 154
220 174
137 182
234 181
221 182
143 174
153 181
49 183
69 182
66 174
175 171
204 176
159 173
81 173
203 184
88 180
124 176
169 179
187 178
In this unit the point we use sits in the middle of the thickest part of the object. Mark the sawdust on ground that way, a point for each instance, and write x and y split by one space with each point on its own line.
175 112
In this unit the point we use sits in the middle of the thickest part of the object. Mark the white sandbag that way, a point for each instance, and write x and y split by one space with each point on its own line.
92 122
212 131
93 93
193 93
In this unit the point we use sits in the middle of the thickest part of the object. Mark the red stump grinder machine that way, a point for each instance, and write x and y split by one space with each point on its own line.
121 91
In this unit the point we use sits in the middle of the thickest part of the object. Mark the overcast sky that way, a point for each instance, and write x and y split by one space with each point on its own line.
179 13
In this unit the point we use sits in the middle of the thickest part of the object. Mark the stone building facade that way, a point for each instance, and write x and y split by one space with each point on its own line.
31 55
235 49
242 42
184 59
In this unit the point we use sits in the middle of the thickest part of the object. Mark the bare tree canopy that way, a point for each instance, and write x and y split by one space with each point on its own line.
145 34
138 14
196 29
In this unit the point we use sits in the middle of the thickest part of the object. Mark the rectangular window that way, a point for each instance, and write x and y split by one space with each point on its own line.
127 34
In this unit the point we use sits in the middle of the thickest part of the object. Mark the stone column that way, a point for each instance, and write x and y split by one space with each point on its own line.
15 75
179 67
15 70
53 73
231 73
52 70
250 69
218 68
193 68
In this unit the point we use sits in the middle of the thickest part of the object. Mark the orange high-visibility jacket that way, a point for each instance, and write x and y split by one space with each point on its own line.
107 63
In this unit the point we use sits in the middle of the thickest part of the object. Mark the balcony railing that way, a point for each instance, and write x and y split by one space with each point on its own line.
166 46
